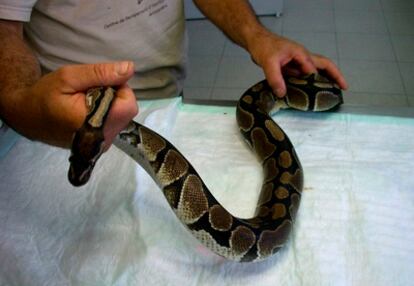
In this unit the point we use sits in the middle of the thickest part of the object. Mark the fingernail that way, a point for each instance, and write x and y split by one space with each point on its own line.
122 68
280 92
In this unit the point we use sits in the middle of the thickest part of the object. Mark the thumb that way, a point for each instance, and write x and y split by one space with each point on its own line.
275 79
81 77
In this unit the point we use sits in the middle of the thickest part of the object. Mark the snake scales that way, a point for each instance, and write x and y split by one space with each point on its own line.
231 237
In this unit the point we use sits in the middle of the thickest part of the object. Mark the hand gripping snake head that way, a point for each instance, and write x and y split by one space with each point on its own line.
88 142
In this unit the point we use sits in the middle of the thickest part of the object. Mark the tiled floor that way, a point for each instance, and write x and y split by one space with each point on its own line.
372 41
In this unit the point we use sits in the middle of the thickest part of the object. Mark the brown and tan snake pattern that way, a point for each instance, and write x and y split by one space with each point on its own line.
231 237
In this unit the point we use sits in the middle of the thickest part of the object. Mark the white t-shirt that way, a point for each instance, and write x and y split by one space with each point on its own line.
148 32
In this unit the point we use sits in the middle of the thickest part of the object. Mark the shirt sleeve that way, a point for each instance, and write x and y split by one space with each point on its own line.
16 10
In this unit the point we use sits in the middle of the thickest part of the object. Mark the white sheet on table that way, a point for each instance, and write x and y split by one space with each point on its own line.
355 224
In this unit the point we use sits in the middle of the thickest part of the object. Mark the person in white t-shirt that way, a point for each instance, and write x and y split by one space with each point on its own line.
52 51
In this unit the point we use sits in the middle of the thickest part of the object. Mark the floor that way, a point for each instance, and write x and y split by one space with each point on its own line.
372 41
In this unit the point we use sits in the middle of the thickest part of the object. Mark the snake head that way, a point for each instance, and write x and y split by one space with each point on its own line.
87 147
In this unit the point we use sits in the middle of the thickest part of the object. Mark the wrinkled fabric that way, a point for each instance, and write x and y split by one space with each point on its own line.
355 225
7 138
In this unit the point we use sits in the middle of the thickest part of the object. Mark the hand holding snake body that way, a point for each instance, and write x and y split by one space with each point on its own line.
234 238
279 56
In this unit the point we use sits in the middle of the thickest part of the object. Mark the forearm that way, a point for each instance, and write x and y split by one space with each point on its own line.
235 18
19 69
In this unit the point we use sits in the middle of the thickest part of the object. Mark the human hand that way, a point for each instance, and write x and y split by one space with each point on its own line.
54 107
278 56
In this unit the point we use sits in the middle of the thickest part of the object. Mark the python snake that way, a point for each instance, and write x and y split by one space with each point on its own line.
231 237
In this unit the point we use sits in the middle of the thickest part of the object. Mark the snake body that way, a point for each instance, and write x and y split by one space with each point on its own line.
234 238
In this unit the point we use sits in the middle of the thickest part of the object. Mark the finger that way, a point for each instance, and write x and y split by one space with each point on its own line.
331 70
76 78
275 78
124 107
123 110
292 70
305 63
